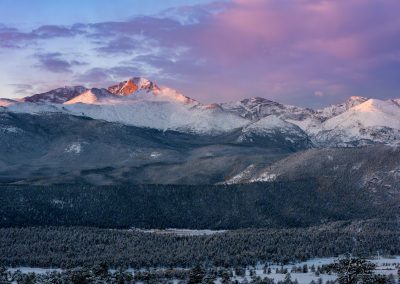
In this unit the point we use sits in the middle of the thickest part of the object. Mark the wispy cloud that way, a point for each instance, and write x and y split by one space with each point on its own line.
54 62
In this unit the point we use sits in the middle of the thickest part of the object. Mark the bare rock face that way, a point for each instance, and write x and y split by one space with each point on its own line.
127 88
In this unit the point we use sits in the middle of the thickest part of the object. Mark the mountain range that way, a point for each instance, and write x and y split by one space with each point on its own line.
138 132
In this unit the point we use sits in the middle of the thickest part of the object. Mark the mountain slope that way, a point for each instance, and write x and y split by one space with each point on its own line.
142 103
375 168
57 148
57 96
92 96
337 109
369 122
6 102
127 88
257 108
272 127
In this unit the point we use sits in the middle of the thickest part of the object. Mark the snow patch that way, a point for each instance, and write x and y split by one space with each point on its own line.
181 232
265 177
10 129
242 175
155 155
74 148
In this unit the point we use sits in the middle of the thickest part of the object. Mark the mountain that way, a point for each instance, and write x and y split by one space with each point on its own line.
366 123
137 86
92 96
257 108
142 103
6 102
272 127
139 132
59 148
57 96
131 86
334 110
375 168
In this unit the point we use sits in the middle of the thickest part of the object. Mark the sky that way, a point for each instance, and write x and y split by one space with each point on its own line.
302 52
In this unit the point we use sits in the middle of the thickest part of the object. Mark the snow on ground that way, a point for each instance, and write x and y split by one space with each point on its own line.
372 113
385 265
242 175
74 148
155 155
181 232
10 129
264 177
35 270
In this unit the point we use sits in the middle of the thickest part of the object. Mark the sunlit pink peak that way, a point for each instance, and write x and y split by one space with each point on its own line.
375 105
132 85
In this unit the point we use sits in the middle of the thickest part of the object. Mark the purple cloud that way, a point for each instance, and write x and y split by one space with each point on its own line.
54 62
304 52
14 38
22 89
120 44
104 77
55 31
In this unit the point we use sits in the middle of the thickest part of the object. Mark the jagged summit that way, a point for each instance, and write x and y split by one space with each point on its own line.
142 103
334 110
132 85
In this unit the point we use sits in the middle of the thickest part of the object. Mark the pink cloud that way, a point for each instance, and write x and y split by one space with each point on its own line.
280 49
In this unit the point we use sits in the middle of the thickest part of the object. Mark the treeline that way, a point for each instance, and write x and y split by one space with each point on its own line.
68 247
280 204
201 275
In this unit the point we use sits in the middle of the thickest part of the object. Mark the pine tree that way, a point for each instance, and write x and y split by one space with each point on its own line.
196 275
352 270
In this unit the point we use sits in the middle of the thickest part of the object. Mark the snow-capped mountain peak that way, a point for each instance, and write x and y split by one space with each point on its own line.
143 89
334 110
373 105
129 87
140 102
371 121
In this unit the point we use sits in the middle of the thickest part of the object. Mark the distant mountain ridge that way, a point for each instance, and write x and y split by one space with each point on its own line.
140 102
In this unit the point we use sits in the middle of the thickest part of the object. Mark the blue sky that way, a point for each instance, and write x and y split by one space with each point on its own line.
303 52
33 13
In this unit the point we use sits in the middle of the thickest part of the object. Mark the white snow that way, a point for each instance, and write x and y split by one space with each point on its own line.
35 270
140 102
385 265
181 232
173 95
74 148
10 129
265 177
334 110
371 113
92 96
240 177
267 123
155 155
